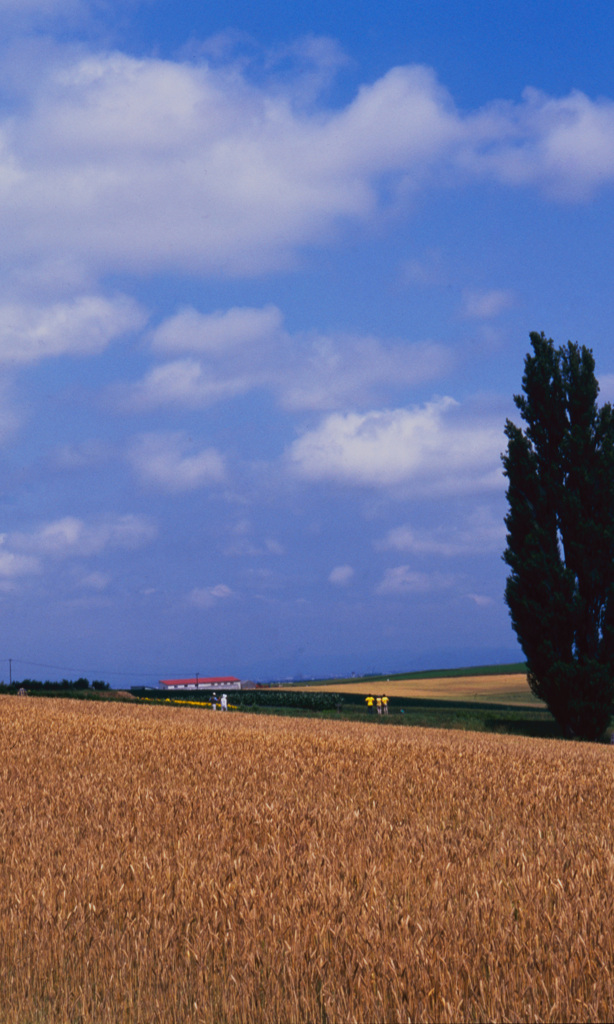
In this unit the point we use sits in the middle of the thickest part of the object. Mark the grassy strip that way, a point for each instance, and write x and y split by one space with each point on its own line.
435 673
470 719
458 673
350 699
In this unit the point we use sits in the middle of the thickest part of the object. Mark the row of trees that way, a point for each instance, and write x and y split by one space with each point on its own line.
35 686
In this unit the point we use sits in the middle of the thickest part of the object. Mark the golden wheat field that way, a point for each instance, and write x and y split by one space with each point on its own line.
507 688
163 864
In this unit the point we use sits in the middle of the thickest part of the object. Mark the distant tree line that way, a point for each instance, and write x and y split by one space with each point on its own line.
49 688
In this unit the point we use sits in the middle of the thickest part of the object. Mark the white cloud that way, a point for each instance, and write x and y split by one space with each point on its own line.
244 545
24 554
245 348
606 387
207 597
166 461
42 10
73 537
239 349
115 162
426 272
185 382
437 448
216 333
565 145
149 163
83 326
481 600
485 305
96 581
10 416
82 454
403 580
480 532
335 371
341 575
39 7
14 565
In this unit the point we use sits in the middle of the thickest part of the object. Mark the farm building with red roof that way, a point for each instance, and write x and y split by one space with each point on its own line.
202 683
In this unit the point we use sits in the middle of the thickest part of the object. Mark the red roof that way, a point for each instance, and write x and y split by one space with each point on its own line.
201 680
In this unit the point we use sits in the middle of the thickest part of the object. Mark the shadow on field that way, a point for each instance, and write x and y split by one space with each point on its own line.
546 729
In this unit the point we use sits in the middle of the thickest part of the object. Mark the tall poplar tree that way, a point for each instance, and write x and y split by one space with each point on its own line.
560 542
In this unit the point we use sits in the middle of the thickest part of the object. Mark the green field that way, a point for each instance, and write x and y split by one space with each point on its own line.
514 668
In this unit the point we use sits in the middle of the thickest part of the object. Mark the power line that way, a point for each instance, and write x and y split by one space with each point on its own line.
99 673
74 671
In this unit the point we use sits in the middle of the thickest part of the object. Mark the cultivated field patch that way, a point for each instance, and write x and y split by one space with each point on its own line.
509 688
162 864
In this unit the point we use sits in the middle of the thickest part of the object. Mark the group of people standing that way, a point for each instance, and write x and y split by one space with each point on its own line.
381 703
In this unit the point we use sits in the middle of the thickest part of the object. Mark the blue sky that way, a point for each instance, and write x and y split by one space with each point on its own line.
267 279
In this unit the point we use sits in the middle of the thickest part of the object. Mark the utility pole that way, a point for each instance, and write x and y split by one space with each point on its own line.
10 671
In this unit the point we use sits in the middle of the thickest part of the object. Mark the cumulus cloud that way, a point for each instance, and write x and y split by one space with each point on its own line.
485 305
243 546
73 537
24 554
10 416
185 382
166 460
96 581
63 8
606 387
436 448
403 580
40 8
85 454
219 332
480 532
334 371
229 353
565 145
341 575
207 597
116 162
82 326
14 565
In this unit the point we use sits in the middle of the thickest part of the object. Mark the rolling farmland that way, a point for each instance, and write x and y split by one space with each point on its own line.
167 864
505 688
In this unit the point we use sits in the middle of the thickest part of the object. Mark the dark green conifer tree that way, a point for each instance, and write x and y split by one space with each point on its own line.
560 542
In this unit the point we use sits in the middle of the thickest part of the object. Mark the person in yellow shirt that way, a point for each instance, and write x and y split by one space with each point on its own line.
385 704
378 701
370 701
